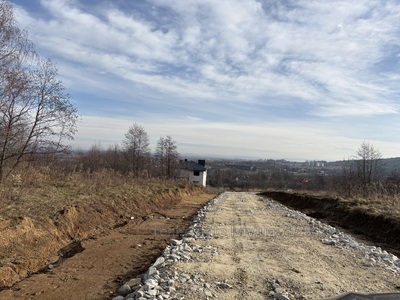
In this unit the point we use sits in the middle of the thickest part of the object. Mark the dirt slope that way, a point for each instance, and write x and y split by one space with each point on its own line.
261 250
380 228
107 258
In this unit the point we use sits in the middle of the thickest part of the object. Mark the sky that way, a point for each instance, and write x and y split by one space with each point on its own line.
270 79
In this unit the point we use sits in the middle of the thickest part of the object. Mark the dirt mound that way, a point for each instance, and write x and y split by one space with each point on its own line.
28 245
377 228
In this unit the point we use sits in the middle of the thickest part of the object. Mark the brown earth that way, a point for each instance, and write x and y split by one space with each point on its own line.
380 228
259 245
90 249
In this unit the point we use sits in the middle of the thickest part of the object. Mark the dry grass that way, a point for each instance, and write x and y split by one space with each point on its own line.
41 192
379 200
43 210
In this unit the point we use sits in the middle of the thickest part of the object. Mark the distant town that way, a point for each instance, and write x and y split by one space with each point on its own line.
280 173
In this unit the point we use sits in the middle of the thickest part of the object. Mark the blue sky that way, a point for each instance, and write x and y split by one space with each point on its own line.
292 79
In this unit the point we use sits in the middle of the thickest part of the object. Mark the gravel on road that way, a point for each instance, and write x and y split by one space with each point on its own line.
243 246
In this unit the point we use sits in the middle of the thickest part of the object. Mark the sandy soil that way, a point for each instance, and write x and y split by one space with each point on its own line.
258 246
110 259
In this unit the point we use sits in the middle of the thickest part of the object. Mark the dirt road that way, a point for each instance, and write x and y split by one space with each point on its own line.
97 272
255 250
263 251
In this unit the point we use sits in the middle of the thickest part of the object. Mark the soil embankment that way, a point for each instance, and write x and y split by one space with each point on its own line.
257 248
376 227
91 246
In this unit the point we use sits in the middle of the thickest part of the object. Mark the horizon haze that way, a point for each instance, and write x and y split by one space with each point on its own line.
294 80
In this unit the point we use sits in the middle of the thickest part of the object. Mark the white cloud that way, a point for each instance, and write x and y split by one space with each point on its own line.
230 59
231 46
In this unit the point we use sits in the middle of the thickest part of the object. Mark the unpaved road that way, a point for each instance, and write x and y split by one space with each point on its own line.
259 245
98 271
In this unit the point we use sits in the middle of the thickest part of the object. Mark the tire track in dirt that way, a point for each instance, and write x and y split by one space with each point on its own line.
263 251
240 274
108 260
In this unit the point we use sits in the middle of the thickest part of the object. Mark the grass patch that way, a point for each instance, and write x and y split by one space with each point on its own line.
40 194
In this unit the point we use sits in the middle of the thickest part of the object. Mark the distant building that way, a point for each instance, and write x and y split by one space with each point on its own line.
315 163
195 172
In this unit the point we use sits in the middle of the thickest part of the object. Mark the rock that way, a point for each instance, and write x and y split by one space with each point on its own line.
130 296
124 290
150 272
175 242
139 294
187 248
159 262
224 285
328 241
170 289
208 293
118 298
280 296
151 282
150 285
151 292
171 282
134 282
173 257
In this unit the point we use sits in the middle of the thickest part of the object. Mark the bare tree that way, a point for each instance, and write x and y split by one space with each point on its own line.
359 174
167 156
346 182
369 164
36 114
137 149
93 159
14 42
115 158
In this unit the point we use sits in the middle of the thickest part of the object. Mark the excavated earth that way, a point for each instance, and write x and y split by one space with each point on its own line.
244 246
86 251
381 229
247 247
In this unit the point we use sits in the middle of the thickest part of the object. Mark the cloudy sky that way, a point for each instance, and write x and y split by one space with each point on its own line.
291 79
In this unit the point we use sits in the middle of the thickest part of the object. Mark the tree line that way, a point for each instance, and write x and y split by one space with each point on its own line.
37 117
363 175
134 156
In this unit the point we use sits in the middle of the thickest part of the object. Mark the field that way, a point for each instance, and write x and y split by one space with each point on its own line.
91 231
42 213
